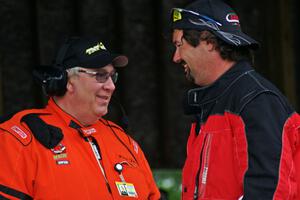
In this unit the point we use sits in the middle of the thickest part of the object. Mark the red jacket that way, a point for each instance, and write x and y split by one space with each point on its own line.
244 143
71 170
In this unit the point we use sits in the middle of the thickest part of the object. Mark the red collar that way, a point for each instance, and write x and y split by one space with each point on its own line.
70 120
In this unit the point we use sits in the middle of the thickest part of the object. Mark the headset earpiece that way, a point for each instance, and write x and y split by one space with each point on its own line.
54 79
56 85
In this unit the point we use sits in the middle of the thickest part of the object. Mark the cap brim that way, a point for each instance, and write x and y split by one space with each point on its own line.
119 61
99 61
237 39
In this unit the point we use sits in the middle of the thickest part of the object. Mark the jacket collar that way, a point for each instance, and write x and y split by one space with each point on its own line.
70 121
66 118
198 97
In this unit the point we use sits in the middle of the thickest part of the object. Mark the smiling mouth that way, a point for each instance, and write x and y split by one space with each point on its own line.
105 98
186 67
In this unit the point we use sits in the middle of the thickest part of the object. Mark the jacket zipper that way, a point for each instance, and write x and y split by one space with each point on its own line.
97 155
94 146
203 169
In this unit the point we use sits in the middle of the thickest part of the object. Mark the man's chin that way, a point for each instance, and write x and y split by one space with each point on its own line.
101 112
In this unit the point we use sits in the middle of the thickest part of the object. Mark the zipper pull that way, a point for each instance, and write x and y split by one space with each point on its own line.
95 149
196 193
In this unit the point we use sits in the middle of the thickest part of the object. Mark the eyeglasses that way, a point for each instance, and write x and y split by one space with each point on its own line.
180 13
102 77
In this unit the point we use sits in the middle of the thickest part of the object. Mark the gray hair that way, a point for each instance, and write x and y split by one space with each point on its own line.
73 71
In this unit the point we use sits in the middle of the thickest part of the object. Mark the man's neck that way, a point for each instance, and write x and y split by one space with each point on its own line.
75 111
219 66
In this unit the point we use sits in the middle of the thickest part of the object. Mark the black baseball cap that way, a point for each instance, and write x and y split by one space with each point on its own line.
215 16
87 52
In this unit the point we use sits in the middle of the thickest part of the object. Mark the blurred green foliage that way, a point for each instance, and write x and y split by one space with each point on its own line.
169 183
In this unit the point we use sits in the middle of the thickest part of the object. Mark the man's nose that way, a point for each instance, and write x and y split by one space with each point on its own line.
176 56
109 84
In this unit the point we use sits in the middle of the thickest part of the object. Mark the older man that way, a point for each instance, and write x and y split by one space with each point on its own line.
67 150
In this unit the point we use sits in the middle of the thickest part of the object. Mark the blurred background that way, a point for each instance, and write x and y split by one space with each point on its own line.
151 87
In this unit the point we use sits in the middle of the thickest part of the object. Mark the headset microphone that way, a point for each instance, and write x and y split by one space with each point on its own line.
124 118
119 167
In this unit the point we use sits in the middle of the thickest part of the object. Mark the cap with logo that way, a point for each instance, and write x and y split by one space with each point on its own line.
75 52
90 53
215 16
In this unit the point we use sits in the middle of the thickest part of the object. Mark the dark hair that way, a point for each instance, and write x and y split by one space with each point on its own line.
227 52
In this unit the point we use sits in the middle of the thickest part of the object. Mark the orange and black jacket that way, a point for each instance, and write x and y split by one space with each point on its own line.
46 154
244 142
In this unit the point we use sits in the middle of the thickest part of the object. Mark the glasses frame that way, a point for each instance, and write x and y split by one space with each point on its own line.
101 77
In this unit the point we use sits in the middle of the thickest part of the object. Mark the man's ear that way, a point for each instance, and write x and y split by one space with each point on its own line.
70 86
210 46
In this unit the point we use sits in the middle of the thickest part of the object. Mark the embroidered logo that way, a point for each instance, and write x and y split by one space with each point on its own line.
89 131
176 15
62 162
233 18
60 154
128 161
19 131
135 147
98 47
60 148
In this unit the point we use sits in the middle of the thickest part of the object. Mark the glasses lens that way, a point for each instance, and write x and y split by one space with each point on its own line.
103 77
114 77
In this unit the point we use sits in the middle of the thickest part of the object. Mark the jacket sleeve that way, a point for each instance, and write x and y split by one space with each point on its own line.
264 119
16 168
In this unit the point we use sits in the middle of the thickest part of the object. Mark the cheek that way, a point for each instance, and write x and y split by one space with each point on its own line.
186 53
84 92
181 53
192 57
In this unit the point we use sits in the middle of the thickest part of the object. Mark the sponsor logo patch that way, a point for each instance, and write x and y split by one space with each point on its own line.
60 155
60 148
130 161
98 47
19 131
89 131
233 18
135 147
62 162
176 15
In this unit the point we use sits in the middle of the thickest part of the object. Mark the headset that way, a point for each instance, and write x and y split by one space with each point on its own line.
54 78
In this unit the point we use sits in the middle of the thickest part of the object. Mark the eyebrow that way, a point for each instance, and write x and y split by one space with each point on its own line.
178 41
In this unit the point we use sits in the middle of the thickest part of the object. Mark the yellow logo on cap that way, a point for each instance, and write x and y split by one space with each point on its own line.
176 15
95 48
